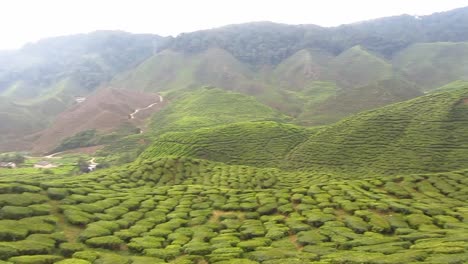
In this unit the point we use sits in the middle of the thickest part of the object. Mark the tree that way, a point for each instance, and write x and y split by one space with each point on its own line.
83 165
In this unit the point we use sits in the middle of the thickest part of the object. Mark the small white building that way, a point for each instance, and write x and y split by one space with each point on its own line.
44 165
10 165
80 99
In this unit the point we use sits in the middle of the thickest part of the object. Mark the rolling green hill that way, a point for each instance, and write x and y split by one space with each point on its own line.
428 133
209 107
260 144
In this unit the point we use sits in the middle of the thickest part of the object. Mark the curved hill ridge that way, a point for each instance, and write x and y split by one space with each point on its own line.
426 134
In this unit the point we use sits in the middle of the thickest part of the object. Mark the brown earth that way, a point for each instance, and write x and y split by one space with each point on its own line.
105 110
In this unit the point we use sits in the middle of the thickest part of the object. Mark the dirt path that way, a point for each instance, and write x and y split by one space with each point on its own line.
132 115
71 232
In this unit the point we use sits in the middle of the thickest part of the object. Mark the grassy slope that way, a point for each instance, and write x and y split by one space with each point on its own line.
350 101
428 133
433 64
261 144
208 107
189 111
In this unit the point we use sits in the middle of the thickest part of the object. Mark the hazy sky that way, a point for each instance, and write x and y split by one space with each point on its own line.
24 21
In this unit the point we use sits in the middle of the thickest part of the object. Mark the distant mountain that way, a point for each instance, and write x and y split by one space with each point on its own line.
265 42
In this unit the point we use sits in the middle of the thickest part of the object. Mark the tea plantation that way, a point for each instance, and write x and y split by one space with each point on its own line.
184 210
387 186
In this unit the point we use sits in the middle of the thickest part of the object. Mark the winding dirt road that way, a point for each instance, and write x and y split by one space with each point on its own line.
132 115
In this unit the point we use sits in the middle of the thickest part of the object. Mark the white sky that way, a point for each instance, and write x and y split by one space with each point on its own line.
24 21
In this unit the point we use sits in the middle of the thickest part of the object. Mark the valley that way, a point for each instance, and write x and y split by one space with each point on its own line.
256 143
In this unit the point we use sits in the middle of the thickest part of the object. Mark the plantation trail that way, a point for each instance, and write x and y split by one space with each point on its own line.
132 115
71 232
293 239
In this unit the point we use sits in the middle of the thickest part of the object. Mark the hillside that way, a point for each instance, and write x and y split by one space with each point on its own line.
210 106
422 63
105 112
260 144
426 134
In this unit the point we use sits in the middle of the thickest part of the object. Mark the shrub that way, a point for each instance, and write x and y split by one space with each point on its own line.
146 260
197 248
68 249
37 259
237 261
94 231
379 224
37 225
88 255
7 252
250 245
267 209
40 209
15 212
23 199
57 193
310 237
356 224
109 242
10 230
139 244
77 217
416 220
73 261
168 253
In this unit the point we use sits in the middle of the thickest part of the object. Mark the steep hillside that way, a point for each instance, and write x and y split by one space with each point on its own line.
260 144
106 111
429 133
350 101
170 70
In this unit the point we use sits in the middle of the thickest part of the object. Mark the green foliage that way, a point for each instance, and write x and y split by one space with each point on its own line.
109 242
262 144
208 107
73 261
57 193
37 259
420 135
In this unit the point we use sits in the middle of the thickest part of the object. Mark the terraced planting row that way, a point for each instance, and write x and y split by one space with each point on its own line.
112 218
261 144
